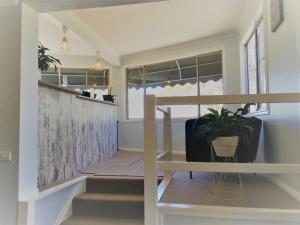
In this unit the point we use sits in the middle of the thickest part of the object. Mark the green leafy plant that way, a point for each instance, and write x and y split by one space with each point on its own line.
45 61
224 124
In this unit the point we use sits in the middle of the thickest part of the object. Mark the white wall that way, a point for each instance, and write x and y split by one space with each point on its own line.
282 127
28 106
10 58
131 133
56 207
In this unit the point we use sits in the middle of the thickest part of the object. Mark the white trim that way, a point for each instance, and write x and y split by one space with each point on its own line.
50 191
150 176
162 187
264 168
287 215
180 152
66 211
229 99
285 187
131 149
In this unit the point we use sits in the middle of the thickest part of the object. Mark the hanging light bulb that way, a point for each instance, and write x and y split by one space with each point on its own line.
98 64
64 45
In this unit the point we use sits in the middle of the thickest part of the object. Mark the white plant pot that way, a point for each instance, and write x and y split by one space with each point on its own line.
225 146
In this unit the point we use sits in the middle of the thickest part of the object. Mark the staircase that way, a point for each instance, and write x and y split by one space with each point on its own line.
109 201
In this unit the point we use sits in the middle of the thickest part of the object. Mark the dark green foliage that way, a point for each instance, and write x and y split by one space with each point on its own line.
45 61
224 124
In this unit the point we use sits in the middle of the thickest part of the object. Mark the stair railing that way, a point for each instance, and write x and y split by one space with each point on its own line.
163 162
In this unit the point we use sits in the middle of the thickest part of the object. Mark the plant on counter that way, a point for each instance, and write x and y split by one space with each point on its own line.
226 127
45 61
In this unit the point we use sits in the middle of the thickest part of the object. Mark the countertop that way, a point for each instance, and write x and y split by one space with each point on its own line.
70 91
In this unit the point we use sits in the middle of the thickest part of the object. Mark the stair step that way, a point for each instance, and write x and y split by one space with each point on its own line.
110 197
109 205
77 220
115 185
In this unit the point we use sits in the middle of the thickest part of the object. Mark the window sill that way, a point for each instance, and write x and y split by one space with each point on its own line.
259 113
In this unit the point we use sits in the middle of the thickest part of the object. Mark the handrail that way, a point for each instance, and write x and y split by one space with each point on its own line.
229 99
151 160
265 168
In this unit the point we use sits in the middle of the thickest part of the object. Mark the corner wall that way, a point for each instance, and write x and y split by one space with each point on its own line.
282 127
28 105
10 59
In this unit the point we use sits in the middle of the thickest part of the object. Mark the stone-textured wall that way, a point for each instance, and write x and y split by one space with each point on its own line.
73 133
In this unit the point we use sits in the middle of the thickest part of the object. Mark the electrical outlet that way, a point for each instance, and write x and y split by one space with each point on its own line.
5 157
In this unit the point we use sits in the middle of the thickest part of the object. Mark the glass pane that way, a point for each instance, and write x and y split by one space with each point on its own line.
135 77
208 58
211 87
98 78
135 103
252 65
262 77
96 81
50 78
135 90
187 89
72 71
261 41
76 80
189 72
162 76
210 69
161 67
187 62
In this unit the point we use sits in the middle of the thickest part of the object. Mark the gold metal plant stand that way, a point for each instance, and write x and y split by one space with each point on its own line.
219 180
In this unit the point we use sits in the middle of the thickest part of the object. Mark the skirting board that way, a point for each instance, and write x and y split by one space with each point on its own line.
176 152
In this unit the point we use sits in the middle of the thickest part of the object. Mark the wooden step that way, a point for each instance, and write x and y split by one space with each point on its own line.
77 220
109 205
115 185
110 197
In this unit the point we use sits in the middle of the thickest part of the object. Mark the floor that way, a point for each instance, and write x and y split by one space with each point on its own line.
259 192
124 163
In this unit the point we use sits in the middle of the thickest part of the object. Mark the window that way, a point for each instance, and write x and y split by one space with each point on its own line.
256 65
192 76
80 79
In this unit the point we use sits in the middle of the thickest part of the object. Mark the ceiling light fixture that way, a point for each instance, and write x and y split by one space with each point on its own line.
64 45
98 64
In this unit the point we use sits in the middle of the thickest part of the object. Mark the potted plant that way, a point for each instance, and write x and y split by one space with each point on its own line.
45 61
225 129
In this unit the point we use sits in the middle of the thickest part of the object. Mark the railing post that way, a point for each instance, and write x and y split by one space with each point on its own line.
167 129
150 152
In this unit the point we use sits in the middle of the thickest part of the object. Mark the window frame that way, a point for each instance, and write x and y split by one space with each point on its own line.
84 74
253 31
143 67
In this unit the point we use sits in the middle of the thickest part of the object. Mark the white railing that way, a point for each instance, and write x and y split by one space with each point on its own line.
155 162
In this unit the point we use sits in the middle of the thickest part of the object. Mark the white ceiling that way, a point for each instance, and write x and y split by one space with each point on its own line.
59 5
7 2
51 34
135 28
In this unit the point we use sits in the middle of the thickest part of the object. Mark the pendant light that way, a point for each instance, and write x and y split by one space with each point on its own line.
64 45
98 65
